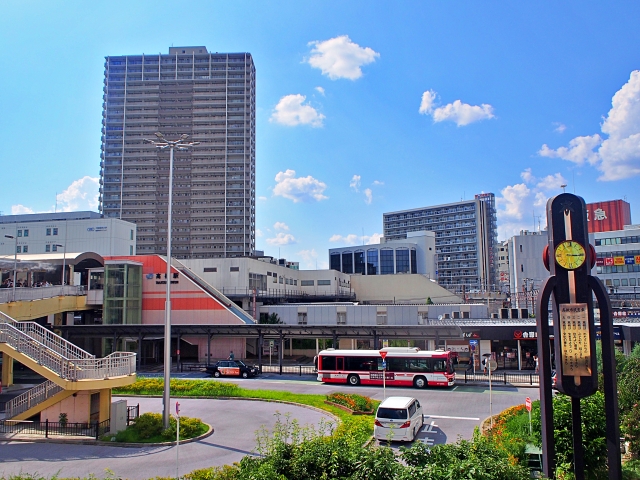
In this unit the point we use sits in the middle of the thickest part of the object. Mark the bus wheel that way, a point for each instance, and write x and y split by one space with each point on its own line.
419 382
353 380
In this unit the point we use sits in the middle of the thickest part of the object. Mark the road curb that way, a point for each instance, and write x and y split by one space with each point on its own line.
74 441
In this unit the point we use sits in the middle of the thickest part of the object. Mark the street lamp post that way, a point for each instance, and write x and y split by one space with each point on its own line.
180 144
15 262
64 260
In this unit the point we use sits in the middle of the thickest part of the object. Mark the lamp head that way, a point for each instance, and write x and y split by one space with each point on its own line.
184 136
159 135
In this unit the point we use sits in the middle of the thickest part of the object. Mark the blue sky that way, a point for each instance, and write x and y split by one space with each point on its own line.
362 107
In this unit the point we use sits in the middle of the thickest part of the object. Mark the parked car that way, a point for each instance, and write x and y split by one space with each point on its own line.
398 419
232 368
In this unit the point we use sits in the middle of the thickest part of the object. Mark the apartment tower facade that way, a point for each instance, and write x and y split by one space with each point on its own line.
466 240
210 97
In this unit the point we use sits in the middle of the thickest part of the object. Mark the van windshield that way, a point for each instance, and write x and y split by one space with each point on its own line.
392 413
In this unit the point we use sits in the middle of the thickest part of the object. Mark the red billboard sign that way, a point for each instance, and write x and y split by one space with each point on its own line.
608 216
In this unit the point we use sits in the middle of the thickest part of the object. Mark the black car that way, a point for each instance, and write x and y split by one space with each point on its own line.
232 368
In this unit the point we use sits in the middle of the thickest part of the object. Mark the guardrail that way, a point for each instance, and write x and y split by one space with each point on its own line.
31 398
294 369
47 428
504 378
26 294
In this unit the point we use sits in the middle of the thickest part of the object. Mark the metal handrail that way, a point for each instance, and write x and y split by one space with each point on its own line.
86 367
40 293
47 338
31 398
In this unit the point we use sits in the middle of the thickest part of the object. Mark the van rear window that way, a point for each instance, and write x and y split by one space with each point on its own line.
392 413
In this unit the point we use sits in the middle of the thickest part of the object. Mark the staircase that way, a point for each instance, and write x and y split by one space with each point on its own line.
239 312
67 367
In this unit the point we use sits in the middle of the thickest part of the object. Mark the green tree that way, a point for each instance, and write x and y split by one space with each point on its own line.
272 319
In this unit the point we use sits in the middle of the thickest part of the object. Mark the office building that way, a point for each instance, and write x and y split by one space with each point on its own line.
466 240
210 97
414 254
526 267
618 262
40 233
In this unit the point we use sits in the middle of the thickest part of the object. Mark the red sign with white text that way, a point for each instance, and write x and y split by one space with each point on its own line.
383 355
527 404
608 216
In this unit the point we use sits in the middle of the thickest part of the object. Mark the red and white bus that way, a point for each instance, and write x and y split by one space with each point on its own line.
405 367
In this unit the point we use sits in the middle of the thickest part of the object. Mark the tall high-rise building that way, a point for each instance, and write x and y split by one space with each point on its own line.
466 240
209 96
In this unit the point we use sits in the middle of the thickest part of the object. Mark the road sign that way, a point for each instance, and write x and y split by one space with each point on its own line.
271 343
384 364
383 355
177 408
492 365
527 404
473 342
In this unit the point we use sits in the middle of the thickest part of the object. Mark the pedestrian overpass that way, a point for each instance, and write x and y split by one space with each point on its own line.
77 383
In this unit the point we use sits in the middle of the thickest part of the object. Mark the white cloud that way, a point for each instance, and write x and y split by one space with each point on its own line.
320 90
460 113
259 233
355 183
262 199
301 189
527 176
290 111
309 257
353 239
368 196
580 150
377 183
560 127
281 226
523 205
339 57
20 210
551 182
281 239
426 105
618 156
81 195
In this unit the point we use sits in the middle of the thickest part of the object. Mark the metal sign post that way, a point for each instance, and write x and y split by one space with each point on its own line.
177 440
384 375
569 259
491 366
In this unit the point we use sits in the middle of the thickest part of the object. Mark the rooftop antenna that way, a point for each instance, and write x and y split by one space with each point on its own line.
564 187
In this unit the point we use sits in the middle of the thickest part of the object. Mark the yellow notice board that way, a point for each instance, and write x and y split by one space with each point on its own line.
576 344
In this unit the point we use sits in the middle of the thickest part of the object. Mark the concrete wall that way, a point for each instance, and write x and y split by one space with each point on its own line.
400 289
77 409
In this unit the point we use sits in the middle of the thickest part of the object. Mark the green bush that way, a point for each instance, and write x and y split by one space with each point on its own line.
148 425
480 458
189 428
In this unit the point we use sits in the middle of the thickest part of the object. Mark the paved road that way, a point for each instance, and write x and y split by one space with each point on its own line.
449 414
235 423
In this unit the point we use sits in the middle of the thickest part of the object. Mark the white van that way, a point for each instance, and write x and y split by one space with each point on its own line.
398 419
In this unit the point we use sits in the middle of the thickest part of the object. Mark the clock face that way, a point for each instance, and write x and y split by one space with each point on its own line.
570 255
